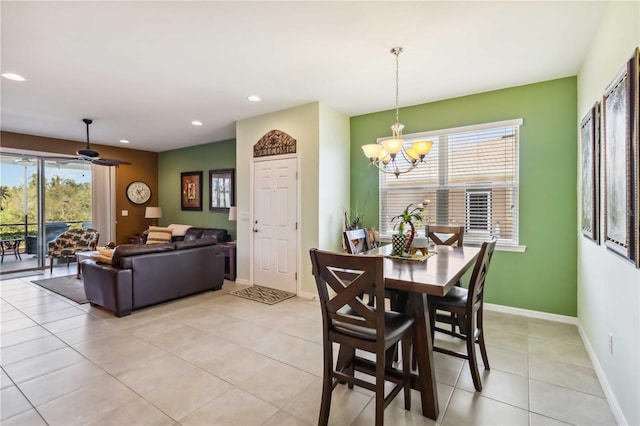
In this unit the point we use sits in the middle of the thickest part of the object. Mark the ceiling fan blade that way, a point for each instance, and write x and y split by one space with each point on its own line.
109 162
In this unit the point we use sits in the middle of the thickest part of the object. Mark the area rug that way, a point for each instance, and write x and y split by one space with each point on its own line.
263 294
68 286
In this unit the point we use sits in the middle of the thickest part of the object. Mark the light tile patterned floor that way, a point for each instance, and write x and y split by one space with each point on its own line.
216 359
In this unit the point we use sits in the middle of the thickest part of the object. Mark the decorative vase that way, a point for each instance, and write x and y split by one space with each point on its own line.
398 243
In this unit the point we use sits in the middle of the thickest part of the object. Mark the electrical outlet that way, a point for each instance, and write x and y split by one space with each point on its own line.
611 343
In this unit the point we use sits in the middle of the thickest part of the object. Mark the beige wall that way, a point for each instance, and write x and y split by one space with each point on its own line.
311 125
608 286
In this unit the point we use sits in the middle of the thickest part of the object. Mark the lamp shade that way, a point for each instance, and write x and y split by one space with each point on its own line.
233 213
153 212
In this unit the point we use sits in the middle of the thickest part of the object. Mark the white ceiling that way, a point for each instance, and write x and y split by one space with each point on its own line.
144 70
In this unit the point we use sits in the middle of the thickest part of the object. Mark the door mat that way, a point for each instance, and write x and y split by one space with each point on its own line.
68 286
263 294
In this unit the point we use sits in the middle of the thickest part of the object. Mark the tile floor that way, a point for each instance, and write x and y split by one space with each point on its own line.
216 359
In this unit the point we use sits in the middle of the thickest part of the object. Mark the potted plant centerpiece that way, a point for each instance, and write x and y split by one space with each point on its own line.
401 242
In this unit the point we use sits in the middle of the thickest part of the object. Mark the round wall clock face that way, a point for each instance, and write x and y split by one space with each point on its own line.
138 192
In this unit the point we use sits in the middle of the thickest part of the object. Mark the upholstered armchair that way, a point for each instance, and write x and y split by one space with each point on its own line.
67 244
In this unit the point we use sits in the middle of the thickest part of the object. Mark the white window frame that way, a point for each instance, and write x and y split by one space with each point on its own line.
471 238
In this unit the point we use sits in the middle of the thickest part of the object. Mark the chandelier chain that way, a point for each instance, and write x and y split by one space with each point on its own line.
397 86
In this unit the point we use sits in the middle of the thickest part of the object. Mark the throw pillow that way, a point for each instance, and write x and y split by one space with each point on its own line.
158 235
102 259
179 230
107 252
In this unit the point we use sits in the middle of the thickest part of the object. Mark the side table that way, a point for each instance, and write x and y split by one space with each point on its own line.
83 255
229 250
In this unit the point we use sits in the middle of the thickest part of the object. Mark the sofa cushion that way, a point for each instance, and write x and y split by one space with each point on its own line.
124 251
102 259
158 235
106 252
181 245
196 233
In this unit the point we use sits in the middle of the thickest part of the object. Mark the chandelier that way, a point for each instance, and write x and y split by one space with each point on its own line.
383 155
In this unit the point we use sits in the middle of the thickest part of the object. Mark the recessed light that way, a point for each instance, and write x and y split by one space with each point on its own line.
124 141
13 76
196 123
254 98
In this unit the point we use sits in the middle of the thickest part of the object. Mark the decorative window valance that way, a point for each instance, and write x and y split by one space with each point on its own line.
274 142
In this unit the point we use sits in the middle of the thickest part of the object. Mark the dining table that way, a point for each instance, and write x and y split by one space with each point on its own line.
417 279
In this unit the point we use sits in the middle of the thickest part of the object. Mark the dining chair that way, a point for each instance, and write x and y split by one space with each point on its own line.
454 235
356 241
349 322
467 305
446 236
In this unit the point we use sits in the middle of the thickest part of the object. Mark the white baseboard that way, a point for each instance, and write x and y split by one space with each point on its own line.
242 281
606 387
531 314
306 295
602 377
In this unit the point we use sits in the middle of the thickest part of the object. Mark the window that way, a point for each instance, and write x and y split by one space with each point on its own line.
470 178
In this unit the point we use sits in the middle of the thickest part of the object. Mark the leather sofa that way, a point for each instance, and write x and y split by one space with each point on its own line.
194 233
144 275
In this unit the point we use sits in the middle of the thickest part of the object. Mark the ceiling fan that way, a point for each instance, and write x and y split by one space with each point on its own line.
88 154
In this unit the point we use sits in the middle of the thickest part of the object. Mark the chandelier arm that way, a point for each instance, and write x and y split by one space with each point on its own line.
392 170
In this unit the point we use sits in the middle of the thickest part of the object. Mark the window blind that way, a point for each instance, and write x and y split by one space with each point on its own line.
470 178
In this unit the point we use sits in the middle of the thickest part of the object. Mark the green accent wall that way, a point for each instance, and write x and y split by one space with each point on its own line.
212 156
543 278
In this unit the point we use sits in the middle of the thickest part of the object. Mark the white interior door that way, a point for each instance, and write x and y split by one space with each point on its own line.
275 224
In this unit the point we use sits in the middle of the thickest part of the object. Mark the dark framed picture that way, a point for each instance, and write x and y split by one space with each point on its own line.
221 189
590 159
620 138
191 191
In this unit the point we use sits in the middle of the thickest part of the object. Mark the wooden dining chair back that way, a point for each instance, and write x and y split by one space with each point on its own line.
467 307
348 321
356 241
454 235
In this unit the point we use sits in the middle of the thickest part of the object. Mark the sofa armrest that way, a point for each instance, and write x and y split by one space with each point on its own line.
108 286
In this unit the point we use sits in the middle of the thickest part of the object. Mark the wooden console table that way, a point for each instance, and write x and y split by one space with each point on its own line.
229 250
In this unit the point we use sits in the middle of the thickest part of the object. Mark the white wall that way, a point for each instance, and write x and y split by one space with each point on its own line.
311 125
608 286
334 193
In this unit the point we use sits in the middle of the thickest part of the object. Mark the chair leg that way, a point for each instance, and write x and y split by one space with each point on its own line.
406 370
50 264
483 349
380 368
471 353
327 385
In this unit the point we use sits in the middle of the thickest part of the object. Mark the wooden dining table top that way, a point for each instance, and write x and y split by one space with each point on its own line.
435 275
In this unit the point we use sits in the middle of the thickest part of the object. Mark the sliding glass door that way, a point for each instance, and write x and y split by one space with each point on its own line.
40 200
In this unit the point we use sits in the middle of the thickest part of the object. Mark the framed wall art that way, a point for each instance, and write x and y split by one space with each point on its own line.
191 191
221 189
590 159
620 138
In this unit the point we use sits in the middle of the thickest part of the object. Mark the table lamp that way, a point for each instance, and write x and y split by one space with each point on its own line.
233 213
153 213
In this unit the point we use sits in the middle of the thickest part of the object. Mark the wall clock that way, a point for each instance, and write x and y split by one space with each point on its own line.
138 192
